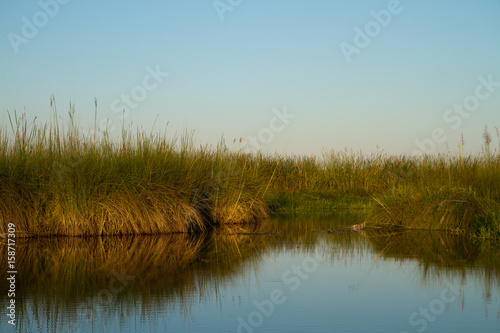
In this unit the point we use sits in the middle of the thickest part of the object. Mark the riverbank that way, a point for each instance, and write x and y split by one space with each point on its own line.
54 180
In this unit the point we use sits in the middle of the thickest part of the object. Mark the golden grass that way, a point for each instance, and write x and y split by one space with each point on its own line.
56 181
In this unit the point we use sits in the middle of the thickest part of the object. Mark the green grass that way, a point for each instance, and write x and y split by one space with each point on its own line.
448 193
54 180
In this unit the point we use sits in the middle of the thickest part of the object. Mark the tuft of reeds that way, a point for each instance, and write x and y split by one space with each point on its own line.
54 180
443 192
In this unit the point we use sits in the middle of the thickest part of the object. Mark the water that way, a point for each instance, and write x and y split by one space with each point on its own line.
283 275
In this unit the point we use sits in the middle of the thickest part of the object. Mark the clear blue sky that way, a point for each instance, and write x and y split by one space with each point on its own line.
229 68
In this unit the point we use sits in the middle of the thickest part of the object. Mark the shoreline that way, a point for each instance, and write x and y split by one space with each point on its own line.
56 181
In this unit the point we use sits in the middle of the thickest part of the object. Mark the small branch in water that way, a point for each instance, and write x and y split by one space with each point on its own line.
255 233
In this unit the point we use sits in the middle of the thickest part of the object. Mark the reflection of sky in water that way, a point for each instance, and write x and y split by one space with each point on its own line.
351 288
387 294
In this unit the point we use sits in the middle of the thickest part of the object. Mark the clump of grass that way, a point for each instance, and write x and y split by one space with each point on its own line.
54 180
443 192
445 208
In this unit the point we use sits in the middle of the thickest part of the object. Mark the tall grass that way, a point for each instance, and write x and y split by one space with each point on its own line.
56 180
444 192
448 192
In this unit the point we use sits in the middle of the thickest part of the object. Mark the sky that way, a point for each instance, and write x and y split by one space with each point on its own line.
294 77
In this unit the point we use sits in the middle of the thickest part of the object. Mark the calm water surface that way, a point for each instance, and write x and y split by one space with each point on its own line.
284 275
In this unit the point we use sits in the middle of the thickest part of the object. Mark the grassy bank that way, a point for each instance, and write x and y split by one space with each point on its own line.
445 193
54 180
433 192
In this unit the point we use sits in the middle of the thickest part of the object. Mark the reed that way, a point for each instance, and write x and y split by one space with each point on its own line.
443 192
57 180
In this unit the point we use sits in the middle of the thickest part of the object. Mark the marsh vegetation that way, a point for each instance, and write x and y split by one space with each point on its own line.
56 180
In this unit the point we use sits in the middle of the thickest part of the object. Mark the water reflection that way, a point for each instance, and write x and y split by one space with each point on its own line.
443 255
91 284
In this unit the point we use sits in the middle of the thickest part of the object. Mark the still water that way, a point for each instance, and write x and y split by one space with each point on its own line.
287 274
